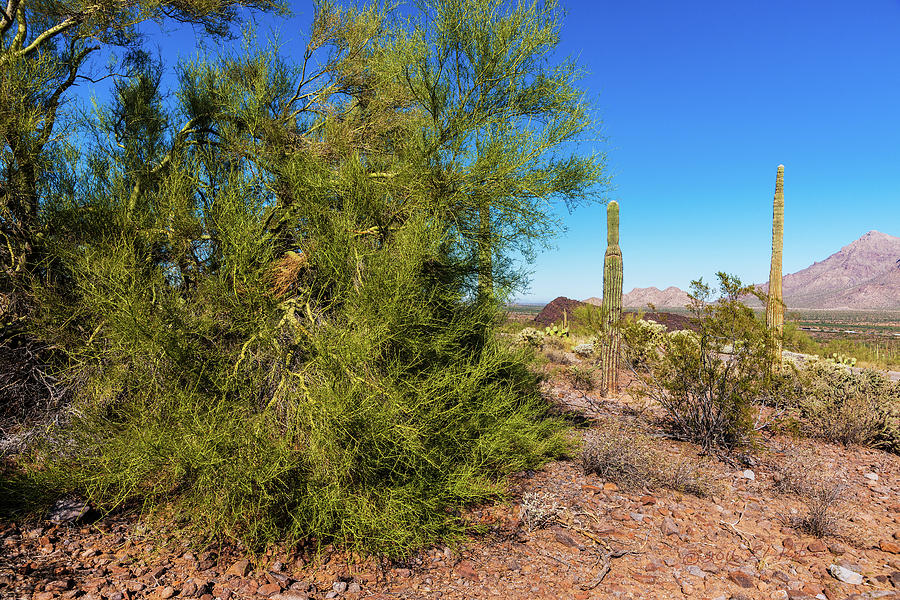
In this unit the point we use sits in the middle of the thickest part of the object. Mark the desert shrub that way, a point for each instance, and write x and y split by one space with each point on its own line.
847 407
642 341
627 457
586 320
261 417
707 381
582 377
531 337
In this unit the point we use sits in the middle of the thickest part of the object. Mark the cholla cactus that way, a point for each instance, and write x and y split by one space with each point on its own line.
584 350
775 304
531 337
612 303
642 339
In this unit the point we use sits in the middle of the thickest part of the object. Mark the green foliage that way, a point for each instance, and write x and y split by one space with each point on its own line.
878 352
587 320
265 294
708 381
847 407
502 122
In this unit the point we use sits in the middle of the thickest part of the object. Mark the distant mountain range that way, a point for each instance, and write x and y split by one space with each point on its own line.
865 274
642 297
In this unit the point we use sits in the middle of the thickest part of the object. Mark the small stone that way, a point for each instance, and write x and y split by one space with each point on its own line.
189 589
669 527
891 547
354 588
695 571
291 595
467 569
846 575
331 594
566 539
871 476
648 500
339 586
837 548
748 474
158 572
68 511
778 595
817 546
268 590
610 487
894 578
240 568
742 579
165 593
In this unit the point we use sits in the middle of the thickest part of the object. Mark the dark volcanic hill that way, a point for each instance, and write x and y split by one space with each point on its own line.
864 274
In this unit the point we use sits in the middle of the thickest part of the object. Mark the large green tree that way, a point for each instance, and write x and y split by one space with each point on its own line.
264 290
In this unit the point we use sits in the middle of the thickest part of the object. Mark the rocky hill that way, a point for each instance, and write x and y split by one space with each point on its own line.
670 297
864 274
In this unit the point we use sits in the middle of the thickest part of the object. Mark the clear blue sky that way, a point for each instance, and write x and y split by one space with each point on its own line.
700 101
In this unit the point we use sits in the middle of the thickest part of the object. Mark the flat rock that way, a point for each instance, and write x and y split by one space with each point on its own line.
846 575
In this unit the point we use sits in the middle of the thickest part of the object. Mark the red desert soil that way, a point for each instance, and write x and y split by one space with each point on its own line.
650 543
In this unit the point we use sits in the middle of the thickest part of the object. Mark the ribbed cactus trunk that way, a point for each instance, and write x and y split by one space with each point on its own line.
612 303
775 304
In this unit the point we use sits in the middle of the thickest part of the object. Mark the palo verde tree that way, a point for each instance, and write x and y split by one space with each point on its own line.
502 125
266 303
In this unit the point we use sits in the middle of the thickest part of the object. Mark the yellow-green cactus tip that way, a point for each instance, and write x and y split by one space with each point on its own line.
781 168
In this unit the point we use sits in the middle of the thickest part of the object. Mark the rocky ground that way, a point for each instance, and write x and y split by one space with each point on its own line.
562 534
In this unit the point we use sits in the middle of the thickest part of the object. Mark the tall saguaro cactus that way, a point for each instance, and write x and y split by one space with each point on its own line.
775 304
612 303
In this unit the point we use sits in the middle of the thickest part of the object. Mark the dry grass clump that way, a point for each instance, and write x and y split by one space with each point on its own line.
802 474
626 457
823 510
